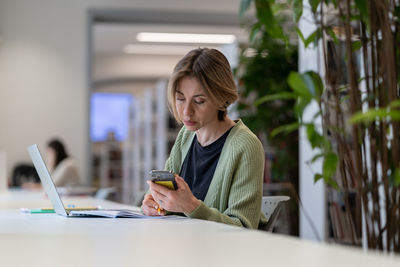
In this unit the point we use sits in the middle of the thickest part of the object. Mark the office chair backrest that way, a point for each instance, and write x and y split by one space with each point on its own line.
106 193
271 206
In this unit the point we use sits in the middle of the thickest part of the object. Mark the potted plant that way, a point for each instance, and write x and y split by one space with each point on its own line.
263 68
264 73
358 105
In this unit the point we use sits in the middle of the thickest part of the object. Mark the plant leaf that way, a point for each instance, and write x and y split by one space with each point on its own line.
329 167
314 5
330 164
395 104
314 84
315 139
298 85
368 116
313 37
316 157
300 34
255 29
355 46
331 182
297 9
317 177
244 6
362 6
301 104
264 12
287 128
397 177
279 96
267 17
332 34
394 115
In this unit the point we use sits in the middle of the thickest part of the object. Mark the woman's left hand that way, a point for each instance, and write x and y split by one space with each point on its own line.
179 200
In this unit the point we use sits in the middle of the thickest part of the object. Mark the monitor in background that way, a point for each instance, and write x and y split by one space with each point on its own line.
109 113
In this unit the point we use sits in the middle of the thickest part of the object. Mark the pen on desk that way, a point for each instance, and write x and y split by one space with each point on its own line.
50 210
24 210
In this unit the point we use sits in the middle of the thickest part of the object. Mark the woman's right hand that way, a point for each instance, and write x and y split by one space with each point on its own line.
150 207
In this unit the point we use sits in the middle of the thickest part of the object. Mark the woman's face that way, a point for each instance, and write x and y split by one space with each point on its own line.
195 108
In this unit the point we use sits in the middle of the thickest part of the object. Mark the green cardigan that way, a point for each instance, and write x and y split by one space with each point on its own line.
235 192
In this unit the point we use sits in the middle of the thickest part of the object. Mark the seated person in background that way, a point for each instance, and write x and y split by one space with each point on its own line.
61 166
220 162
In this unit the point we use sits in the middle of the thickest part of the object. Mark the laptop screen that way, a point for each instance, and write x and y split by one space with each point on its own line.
46 180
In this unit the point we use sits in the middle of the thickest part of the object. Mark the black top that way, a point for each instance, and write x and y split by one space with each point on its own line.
200 164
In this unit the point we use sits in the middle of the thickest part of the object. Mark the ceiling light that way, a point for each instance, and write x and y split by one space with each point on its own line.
185 38
173 50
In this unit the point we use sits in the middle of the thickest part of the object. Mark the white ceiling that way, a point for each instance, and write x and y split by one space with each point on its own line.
110 63
112 31
110 38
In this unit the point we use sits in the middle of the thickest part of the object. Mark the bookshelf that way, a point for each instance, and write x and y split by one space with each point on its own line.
124 165
151 134
339 223
107 166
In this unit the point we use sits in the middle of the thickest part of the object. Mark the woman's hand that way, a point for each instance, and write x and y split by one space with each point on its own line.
150 207
180 200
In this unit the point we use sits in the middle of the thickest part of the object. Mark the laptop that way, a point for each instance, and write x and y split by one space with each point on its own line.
55 198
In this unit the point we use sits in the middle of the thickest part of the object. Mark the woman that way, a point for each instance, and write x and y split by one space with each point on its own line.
61 166
220 161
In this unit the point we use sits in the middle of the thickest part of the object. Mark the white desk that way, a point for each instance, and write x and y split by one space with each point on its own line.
52 240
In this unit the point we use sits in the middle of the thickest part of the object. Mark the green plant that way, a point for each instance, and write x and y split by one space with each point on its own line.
358 105
261 73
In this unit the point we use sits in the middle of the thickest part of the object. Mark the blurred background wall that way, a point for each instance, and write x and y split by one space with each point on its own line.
44 70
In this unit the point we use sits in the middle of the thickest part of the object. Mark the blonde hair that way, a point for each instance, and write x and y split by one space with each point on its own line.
211 69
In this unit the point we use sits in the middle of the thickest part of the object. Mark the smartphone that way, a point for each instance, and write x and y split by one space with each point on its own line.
164 178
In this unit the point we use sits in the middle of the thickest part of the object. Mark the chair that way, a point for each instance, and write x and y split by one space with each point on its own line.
271 206
106 193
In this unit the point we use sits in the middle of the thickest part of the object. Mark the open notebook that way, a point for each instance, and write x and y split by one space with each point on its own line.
58 205
110 213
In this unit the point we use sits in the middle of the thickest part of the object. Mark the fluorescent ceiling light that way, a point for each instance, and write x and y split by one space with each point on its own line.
185 38
174 50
